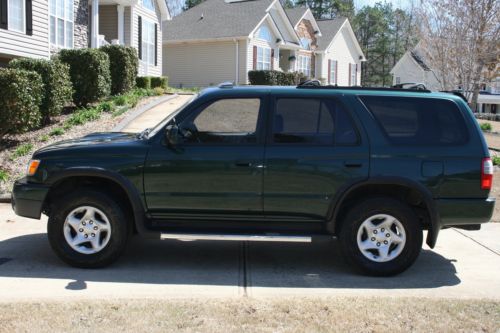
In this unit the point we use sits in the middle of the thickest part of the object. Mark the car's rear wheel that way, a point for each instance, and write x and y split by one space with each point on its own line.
381 236
88 229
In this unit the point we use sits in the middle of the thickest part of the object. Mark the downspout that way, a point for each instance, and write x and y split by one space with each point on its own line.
236 80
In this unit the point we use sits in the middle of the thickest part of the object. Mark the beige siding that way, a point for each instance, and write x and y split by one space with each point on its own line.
154 17
409 71
108 22
126 22
200 64
242 62
263 43
344 52
17 44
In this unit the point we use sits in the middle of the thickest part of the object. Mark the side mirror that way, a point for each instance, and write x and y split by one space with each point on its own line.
172 134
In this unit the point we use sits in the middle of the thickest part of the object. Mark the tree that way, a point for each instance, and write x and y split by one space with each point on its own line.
384 35
191 3
329 8
461 39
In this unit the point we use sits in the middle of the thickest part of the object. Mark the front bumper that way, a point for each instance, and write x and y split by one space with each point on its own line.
28 198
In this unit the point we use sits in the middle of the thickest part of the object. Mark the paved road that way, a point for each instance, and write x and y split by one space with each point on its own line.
463 265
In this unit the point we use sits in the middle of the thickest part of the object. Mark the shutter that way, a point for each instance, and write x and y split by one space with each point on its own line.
356 77
329 71
254 57
139 37
3 14
336 71
29 17
156 44
349 75
272 58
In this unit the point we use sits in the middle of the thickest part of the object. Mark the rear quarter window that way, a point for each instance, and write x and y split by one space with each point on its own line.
418 121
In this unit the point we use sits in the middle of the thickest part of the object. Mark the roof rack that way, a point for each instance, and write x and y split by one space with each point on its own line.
227 84
362 88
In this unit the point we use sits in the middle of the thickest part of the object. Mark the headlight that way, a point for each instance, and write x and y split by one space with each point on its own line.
32 167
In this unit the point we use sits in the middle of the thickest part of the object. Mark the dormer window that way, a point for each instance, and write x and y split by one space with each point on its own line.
149 4
306 43
265 34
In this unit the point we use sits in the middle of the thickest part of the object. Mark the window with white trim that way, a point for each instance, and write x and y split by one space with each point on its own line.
304 65
398 80
265 34
149 4
263 58
61 22
148 42
333 69
16 15
354 75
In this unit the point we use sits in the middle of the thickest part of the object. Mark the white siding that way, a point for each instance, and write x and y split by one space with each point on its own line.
201 64
344 52
410 72
17 44
138 10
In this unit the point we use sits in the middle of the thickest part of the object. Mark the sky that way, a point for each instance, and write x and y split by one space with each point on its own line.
395 3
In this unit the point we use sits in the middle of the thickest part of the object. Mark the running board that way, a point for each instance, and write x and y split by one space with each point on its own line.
238 237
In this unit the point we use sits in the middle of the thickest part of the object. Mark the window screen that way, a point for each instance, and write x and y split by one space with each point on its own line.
418 121
312 121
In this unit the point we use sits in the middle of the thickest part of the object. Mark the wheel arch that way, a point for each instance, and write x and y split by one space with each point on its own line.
415 194
81 175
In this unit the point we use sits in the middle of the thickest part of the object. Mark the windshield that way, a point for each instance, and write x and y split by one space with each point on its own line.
171 116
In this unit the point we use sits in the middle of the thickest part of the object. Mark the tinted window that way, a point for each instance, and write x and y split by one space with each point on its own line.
226 120
313 121
418 121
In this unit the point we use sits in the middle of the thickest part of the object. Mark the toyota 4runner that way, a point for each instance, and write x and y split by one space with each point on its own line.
371 167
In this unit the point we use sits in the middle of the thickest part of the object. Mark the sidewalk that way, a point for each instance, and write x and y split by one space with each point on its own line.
151 115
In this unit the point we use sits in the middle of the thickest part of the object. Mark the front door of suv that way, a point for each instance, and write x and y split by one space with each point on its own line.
217 169
313 149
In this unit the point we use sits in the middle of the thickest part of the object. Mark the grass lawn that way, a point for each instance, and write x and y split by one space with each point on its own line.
255 315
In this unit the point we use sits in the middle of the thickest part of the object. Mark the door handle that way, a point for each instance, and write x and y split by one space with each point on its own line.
243 164
353 164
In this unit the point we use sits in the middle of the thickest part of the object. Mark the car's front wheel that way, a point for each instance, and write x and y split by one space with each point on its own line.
88 229
381 236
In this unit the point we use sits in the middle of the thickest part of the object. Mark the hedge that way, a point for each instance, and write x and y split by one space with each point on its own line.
57 84
275 78
123 63
90 75
21 93
143 82
159 82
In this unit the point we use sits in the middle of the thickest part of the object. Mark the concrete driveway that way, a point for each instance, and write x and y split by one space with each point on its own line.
463 265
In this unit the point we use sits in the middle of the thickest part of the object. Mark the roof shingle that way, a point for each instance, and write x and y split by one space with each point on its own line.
329 28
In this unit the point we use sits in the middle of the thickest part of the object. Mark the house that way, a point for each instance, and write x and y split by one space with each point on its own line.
413 68
222 40
40 28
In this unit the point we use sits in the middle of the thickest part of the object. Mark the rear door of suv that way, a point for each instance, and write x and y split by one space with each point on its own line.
314 148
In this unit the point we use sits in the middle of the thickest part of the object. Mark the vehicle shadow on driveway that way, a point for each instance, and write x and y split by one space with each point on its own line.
276 265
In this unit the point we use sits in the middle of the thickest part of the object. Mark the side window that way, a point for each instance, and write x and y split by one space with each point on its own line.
227 121
312 121
418 121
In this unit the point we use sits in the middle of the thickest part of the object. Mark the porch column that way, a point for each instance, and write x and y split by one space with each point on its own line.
121 22
94 38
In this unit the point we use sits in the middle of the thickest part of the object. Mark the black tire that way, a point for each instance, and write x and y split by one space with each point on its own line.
112 208
366 209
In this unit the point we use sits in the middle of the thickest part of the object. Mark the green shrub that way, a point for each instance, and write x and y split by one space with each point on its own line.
486 127
275 78
4 176
121 100
123 63
20 96
107 106
22 150
82 116
159 82
44 138
56 132
158 91
57 84
143 82
496 160
90 75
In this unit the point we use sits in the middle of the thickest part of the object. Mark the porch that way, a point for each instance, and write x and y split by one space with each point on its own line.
108 21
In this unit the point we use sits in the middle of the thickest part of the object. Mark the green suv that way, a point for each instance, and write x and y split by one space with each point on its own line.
371 167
